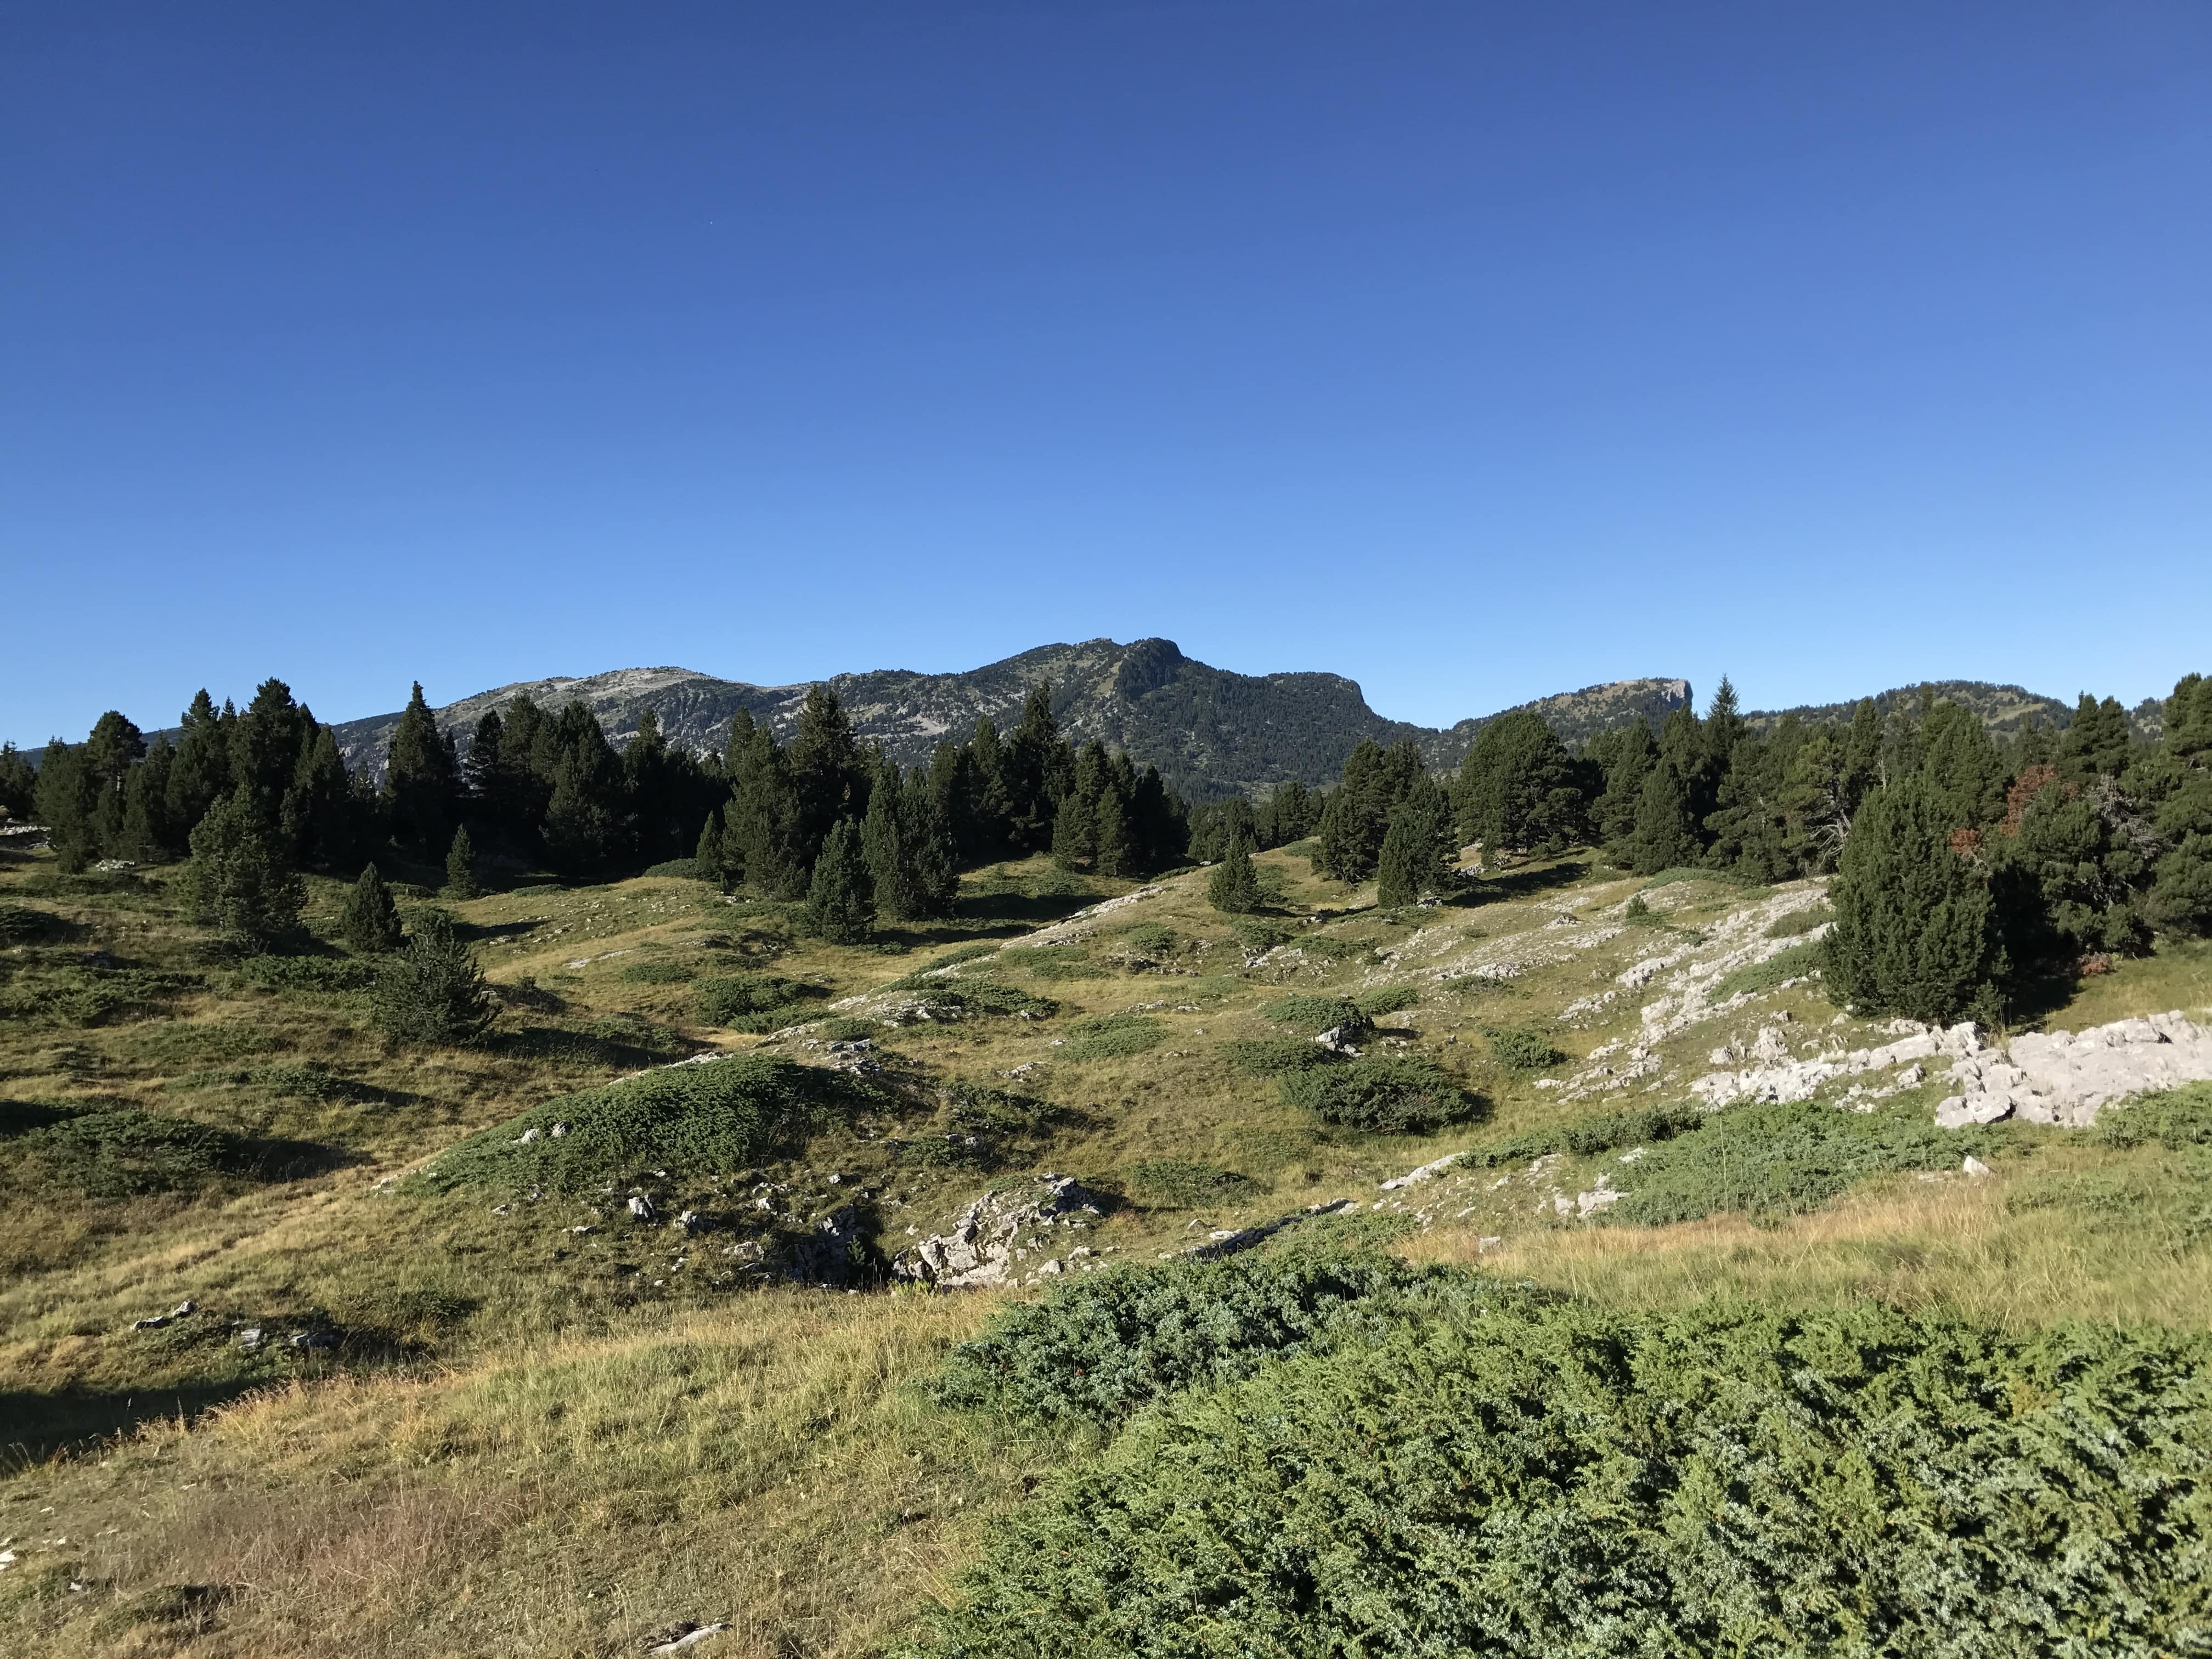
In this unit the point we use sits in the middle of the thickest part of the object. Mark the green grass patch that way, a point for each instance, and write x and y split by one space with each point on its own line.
1799 922
659 973
306 976
1113 1037
717 1117
1798 962
845 1029
2178 1119
1152 939
1387 999
1274 1057
1055 962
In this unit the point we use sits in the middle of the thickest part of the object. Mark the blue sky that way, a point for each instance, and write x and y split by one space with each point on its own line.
1474 351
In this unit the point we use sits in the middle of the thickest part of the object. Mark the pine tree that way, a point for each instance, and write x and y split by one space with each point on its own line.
461 867
1914 933
759 821
1518 788
67 804
419 780
1234 886
265 746
585 826
370 921
1075 826
827 770
714 854
146 834
433 991
2096 741
1965 772
19 783
840 901
932 877
317 819
1665 835
1628 757
201 776
236 881
1416 852
1113 838
1037 769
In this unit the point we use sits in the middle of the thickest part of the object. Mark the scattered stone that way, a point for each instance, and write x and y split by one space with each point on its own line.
1338 1041
558 1130
249 1338
526 1137
1426 1172
1974 1166
317 1338
692 1222
681 1637
980 1248
642 1207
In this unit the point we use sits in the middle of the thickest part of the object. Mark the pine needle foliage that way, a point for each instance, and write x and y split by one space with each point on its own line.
1383 1094
433 991
1913 932
370 921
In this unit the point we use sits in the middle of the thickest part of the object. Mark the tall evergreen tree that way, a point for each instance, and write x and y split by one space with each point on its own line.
1075 825
19 783
236 879
993 808
420 783
1665 835
148 833
840 899
827 770
1627 757
1037 769
319 819
370 921
1234 885
200 776
586 823
1518 788
1415 857
67 804
265 746
760 822
1965 775
2096 741
1914 931
718 861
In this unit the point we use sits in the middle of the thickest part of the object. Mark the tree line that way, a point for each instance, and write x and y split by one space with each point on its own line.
254 796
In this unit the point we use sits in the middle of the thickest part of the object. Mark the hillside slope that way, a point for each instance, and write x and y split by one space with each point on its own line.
1210 731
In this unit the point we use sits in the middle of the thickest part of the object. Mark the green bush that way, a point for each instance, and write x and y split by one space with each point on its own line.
306 976
991 996
1387 999
1055 962
1102 1347
1258 934
1113 1037
1150 939
1798 922
1564 1479
1317 1013
659 973
94 996
1522 1049
1796 963
678 869
2177 1120
21 924
715 1117
845 1029
743 1001
1586 1137
433 991
125 1153
1383 1094
1774 1159
1177 1183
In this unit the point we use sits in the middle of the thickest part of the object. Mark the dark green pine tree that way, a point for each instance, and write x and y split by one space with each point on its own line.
1625 758
236 880
19 783
829 771
111 754
461 867
2180 900
718 861
1914 931
265 746
1037 767
319 818
1113 850
759 821
1665 836
2096 741
370 921
148 835
1965 775
1234 886
840 899
586 825
201 776
420 786
993 827
1519 789
433 991
67 804
932 870
1414 858
1075 826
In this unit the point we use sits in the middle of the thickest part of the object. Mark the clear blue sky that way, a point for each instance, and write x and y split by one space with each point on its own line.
1474 351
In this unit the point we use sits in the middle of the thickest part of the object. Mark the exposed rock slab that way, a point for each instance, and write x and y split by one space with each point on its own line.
990 1242
2066 1079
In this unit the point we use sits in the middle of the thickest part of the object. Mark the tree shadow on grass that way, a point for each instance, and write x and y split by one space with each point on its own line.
41 1424
1023 907
1521 883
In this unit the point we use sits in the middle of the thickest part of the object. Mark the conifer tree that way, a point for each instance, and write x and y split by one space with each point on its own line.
827 770
993 808
1037 769
236 880
1665 835
1914 933
317 819
2096 741
759 821
1518 788
1965 775
1075 826
713 856
840 899
67 804
932 877
584 826
1416 852
1234 886
19 783
461 867
146 834
433 991
1627 757
266 743
1112 839
419 780
370 921
200 776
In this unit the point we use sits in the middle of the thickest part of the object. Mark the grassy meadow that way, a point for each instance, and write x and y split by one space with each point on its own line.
480 1417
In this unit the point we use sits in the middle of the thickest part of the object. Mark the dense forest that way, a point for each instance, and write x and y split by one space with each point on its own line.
1969 865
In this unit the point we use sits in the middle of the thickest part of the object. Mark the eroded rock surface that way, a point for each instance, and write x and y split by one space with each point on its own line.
998 1234
2066 1079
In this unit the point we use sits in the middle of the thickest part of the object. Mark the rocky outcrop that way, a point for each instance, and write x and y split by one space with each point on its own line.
1780 1078
2066 1079
998 1235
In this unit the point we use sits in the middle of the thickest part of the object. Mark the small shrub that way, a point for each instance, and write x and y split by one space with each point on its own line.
678 869
1798 922
741 1000
1383 1094
844 1028
125 1153
1258 935
1317 1013
1637 914
991 996
306 976
21 924
1799 962
1113 1037
1586 1137
1387 999
2177 1120
433 991
1522 1049
94 996
715 1118
659 973
1055 961
1150 939
1176 1183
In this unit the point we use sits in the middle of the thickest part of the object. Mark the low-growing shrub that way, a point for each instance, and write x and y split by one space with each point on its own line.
1522 1049
843 1028
1387 999
88 996
1798 922
21 924
659 973
715 1117
1586 1137
1567 1479
1177 1183
1103 1345
1152 939
125 1153
1055 962
306 976
1383 1094
1258 934
1317 1013
1796 963
1112 1036
993 996
1775 1159
679 869
2176 1119
741 1000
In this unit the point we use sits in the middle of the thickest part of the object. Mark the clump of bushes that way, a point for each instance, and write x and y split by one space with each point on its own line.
433 991
750 1002
1386 999
1274 1057
991 996
1586 1137
713 1118
22 924
1383 1094
844 1028
1113 1037
1177 1183
123 1152
1522 1049
306 976
678 869
1556 1478
1150 939
1317 1013
1055 961
2177 1120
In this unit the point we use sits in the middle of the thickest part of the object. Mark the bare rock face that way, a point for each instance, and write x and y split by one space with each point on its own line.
998 1234
2064 1078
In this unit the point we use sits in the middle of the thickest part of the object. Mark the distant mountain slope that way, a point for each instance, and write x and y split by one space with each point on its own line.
2003 709
1209 731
